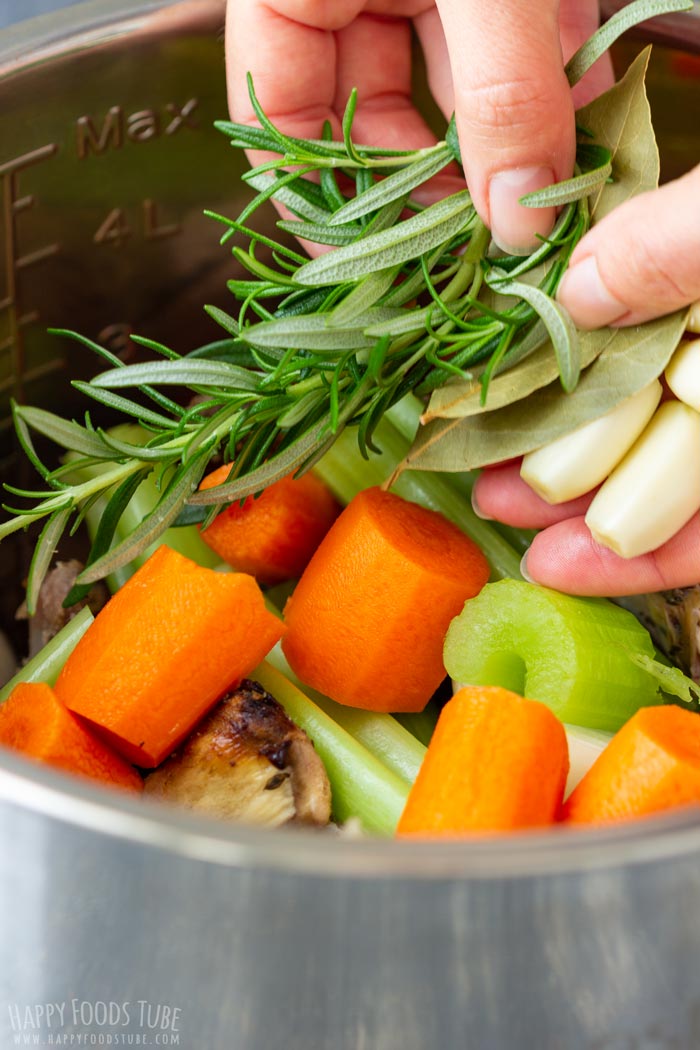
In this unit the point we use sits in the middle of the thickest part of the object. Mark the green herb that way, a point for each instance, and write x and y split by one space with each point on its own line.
412 297
621 120
630 15
671 680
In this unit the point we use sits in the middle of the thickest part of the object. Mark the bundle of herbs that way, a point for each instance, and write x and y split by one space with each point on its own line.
412 299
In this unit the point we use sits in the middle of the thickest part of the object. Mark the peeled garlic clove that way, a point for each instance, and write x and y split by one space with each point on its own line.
693 322
683 372
585 746
575 463
655 490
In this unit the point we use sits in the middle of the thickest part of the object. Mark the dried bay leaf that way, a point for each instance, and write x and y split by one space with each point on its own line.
632 360
458 399
620 120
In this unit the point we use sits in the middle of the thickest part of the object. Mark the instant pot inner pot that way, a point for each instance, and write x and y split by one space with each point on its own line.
587 941
108 156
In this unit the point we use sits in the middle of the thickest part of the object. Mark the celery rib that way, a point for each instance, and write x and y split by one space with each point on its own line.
420 724
46 665
383 736
571 653
361 785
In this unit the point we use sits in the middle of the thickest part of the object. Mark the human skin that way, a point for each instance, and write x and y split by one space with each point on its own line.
502 73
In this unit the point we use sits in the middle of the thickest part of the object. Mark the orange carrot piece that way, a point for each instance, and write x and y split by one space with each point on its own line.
651 764
34 721
367 621
496 762
274 535
162 652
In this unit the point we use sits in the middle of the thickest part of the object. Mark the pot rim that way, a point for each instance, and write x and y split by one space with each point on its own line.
46 792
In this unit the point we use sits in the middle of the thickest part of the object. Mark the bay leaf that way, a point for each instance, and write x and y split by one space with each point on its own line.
459 399
633 359
620 120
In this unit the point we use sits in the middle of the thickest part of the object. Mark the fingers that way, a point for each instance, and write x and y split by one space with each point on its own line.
501 493
437 60
385 112
514 109
305 56
292 62
577 23
567 558
641 261
374 56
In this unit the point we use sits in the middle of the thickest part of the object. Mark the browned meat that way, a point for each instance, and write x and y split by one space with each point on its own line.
247 761
50 615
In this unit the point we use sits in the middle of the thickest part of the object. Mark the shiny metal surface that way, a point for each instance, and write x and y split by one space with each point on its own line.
234 938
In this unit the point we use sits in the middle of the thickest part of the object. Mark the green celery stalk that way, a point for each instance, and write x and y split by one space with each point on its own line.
185 539
47 664
420 724
382 735
405 415
573 654
361 785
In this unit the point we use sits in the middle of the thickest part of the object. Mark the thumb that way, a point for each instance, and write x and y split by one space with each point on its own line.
513 108
641 261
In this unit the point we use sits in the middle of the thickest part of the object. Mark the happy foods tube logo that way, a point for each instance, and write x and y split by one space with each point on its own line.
85 1023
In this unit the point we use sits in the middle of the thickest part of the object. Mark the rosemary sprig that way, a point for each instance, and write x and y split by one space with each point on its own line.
410 297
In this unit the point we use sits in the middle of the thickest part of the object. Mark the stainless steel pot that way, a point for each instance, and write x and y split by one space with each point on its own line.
125 924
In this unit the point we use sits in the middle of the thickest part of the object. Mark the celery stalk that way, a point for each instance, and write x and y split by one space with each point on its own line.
47 664
362 787
405 415
381 734
420 724
571 653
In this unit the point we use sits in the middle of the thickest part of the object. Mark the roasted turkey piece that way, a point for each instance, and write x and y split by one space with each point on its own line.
247 761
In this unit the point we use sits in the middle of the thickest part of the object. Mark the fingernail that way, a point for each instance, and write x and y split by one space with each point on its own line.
477 509
583 293
523 569
514 227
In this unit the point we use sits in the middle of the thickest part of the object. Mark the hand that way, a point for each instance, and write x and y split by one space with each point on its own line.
641 261
514 108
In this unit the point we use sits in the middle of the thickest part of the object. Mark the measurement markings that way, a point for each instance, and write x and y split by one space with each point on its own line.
15 262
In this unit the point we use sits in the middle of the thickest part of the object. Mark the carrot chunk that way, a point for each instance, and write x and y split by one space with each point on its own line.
496 762
651 764
34 721
163 650
272 536
367 621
